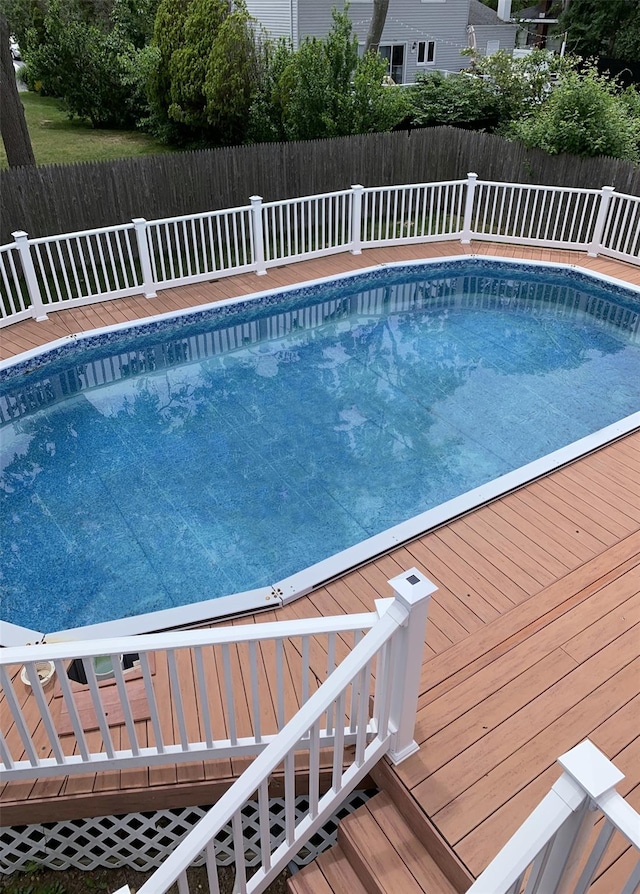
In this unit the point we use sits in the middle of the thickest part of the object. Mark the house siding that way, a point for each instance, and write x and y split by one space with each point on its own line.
506 34
275 16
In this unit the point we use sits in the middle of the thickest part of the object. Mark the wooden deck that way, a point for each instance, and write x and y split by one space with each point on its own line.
533 641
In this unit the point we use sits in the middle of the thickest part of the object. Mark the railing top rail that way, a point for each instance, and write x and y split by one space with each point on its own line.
186 638
10 246
197 215
298 199
622 815
274 754
401 186
39 240
541 187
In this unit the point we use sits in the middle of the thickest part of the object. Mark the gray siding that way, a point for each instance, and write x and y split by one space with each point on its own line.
506 34
274 15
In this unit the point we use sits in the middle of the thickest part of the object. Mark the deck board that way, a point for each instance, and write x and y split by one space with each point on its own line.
532 644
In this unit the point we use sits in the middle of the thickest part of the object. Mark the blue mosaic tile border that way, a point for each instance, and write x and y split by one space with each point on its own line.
289 298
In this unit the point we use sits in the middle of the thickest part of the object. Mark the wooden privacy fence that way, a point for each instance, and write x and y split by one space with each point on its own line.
92 195
39 276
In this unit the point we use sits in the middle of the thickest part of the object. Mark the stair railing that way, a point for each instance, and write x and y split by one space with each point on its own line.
576 831
370 701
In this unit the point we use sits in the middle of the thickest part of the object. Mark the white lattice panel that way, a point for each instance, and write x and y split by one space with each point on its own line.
141 841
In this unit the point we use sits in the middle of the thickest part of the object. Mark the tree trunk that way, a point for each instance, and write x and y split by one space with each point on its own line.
13 126
376 27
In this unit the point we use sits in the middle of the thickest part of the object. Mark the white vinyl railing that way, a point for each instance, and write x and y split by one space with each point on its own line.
404 214
375 715
577 831
38 276
200 246
310 227
202 694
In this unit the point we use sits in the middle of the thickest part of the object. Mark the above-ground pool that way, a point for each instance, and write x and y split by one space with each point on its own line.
221 451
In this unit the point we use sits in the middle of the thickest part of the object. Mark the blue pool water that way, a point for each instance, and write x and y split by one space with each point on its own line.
217 453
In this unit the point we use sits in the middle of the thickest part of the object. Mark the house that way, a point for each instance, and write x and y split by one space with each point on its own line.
419 35
538 24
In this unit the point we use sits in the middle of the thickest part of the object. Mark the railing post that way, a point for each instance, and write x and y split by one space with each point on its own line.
596 775
258 235
412 592
38 310
465 236
595 245
356 219
145 259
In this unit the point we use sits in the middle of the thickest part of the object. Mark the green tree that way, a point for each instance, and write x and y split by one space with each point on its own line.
519 85
377 108
90 69
205 72
265 113
609 28
326 90
189 63
232 77
583 116
25 18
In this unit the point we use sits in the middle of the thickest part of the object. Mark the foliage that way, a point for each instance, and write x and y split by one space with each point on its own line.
520 84
135 20
583 116
610 28
93 71
314 88
189 62
437 99
377 108
232 76
265 113
496 87
206 71
25 17
326 90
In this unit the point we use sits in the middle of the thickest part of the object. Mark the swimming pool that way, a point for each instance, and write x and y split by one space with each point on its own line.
222 451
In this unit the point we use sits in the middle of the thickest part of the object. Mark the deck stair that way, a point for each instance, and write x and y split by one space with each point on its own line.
378 852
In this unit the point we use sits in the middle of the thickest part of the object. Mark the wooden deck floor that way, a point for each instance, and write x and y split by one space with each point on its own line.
533 640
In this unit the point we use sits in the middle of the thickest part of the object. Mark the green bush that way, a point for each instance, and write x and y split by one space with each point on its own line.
95 73
583 116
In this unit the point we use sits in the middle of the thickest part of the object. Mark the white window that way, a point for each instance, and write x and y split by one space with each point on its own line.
426 52
492 46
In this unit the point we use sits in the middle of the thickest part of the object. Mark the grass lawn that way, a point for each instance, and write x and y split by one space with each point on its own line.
57 140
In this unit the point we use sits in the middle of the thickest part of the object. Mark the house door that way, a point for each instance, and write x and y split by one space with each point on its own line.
394 54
